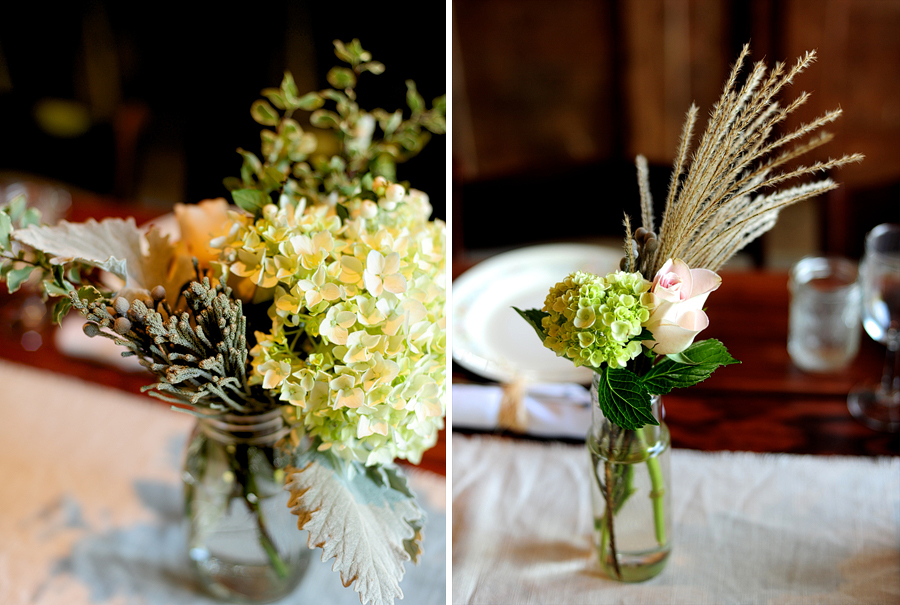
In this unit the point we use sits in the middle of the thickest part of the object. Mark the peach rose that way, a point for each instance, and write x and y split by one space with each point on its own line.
200 223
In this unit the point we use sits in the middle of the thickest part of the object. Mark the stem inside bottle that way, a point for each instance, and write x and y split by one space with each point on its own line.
630 492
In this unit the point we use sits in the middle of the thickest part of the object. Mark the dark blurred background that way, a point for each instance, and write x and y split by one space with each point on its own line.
553 100
146 103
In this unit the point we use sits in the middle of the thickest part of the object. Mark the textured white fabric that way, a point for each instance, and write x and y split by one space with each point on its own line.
748 528
91 503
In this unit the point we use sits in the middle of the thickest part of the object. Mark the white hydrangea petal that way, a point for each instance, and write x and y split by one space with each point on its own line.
346 319
375 262
350 398
330 292
391 263
395 284
373 283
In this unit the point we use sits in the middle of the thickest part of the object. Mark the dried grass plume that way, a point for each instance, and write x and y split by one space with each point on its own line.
728 196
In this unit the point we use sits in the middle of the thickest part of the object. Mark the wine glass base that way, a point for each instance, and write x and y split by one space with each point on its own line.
874 409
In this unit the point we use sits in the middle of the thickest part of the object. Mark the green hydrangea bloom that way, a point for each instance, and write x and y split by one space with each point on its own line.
592 319
357 344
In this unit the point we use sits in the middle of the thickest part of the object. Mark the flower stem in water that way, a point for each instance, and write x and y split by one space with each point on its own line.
657 491
609 519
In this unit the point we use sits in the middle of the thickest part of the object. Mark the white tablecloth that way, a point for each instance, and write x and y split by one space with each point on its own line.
91 504
748 528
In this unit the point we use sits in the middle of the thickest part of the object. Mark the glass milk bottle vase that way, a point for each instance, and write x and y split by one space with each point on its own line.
242 540
630 492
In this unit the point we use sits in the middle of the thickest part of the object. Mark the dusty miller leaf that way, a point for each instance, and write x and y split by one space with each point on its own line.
369 523
116 246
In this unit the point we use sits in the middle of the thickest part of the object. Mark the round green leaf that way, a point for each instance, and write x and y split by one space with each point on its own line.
264 113
322 118
341 77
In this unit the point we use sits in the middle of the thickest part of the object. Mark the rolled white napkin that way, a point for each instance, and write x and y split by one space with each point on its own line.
554 409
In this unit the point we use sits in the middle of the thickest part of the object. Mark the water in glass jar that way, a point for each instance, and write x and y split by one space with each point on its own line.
641 535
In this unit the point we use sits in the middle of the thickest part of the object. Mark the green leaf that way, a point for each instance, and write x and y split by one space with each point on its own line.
31 216
16 208
60 309
289 89
275 97
624 399
6 228
342 212
534 317
251 167
694 364
413 98
322 118
310 101
232 182
16 277
434 122
341 77
375 67
264 113
274 177
391 124
341 52
251 200
89 293
53 289
644 335
366 519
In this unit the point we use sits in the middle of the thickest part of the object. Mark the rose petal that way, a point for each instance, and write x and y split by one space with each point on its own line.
704 281
680 268
694 320
675 337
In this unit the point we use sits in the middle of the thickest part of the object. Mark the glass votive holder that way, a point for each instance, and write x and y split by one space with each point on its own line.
824 326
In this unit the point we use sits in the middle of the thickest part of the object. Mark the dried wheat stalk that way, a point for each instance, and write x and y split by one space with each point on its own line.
720 206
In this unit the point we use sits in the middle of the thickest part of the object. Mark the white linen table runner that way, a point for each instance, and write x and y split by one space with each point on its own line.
748 528
91 503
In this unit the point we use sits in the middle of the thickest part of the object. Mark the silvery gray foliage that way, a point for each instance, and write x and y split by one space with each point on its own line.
198 355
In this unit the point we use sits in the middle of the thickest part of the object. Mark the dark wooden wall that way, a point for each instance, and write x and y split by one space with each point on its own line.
552 101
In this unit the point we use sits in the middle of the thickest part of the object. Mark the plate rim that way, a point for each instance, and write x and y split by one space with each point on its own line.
463 284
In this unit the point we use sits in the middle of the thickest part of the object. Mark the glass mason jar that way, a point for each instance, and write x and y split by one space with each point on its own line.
630 478
243 540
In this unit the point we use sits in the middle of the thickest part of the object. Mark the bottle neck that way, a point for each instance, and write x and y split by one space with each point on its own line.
233 429
623 444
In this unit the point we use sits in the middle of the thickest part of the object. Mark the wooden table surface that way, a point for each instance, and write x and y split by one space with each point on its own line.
13 326
766 404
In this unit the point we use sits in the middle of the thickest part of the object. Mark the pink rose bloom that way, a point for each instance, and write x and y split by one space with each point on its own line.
679 293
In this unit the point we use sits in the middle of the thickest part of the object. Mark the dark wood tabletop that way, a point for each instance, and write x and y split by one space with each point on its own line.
766 404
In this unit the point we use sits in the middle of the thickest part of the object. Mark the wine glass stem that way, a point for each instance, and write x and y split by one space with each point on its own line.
890 379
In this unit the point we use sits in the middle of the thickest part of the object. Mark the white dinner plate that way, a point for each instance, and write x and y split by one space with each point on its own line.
489 337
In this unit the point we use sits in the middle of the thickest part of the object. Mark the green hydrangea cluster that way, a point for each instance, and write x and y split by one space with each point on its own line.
357 343
592 319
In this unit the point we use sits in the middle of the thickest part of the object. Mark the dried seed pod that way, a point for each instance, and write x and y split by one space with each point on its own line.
122 325
158 293
91 329
121 305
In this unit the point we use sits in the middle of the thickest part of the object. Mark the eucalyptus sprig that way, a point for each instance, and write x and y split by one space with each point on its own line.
291 169
19 264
